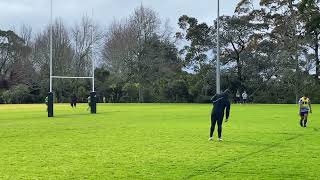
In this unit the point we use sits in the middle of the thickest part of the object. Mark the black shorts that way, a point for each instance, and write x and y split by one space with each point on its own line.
304 113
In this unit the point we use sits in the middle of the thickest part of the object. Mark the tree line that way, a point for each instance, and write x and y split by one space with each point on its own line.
270 50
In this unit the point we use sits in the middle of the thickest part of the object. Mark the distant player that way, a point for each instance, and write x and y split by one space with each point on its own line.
244 97
74 101
304 109
46 100
89 103
221 103
238 96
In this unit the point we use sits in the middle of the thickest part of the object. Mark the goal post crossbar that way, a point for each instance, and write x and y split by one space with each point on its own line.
70 77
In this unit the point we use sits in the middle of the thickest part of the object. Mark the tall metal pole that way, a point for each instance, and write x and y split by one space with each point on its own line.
93 61
50 94
218 52
93 94
51 46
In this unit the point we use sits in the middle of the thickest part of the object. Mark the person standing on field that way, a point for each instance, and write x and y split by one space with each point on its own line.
46 100
74 101
89 103
244 97
304 109
220 103
238 96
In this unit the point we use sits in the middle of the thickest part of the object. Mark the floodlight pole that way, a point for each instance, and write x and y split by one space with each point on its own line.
218 52
49 99
93 61
51 46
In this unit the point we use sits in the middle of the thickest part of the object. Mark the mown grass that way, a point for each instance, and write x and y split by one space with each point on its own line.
157 141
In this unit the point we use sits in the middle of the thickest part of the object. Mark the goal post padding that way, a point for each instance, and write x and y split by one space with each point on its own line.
93 98
50 104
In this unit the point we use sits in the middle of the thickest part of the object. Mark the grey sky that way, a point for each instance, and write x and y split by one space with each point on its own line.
35 13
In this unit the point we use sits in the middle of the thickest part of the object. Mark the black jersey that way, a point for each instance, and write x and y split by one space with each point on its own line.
220 103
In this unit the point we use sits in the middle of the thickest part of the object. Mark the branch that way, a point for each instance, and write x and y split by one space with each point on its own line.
235 49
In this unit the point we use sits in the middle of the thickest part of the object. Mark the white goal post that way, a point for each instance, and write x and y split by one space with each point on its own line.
50 94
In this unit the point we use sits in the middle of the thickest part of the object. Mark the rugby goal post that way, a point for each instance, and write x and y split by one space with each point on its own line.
93 96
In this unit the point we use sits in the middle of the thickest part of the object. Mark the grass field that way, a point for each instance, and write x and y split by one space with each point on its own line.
157 141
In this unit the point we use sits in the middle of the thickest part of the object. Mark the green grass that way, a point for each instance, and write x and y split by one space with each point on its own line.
157 141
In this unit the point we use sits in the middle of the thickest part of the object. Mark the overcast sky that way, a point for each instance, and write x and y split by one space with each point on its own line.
36 13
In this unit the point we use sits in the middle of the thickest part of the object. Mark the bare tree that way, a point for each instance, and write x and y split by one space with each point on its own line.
85 37
14 59
62 57
132 47
26 34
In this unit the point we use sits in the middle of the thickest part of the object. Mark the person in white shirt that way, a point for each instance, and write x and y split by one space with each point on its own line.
244 97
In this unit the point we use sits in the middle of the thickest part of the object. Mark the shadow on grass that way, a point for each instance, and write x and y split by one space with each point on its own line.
58 115
237 159
66 115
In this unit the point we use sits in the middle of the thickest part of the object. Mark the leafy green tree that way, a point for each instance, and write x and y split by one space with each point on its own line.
310 14
17 94
200 40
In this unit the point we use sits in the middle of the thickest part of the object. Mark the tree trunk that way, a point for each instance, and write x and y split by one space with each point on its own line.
297 78
141 99
316 52
295 50
239 70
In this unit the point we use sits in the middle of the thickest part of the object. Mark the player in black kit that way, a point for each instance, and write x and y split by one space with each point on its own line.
221 103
